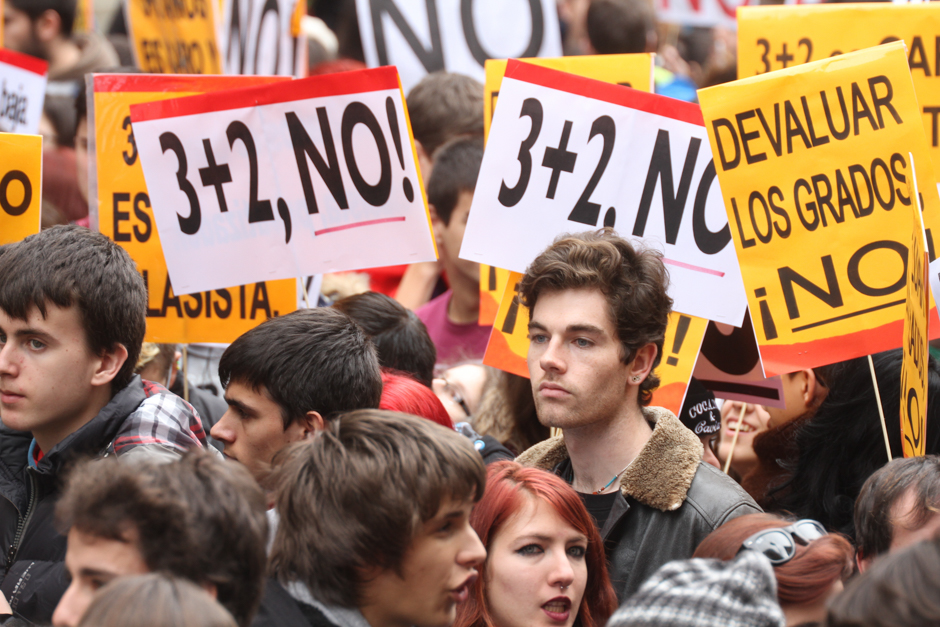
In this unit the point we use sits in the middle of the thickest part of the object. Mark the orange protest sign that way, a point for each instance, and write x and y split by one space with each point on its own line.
175 37
20 186
121 204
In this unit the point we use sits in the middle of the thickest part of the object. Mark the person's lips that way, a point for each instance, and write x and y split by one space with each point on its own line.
462 592
548 389
558 609
745 427
8 397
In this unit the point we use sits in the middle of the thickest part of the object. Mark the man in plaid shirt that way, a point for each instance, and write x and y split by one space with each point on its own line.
72 321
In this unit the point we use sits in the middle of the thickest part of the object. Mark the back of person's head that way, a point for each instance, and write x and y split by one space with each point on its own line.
355 496
403 394
155 600
507 412
803 580
309 360
456 168
401 339
632 279
69 266
509 486
198 518
445 105
900 590
620 26
35 8
155 362
876 513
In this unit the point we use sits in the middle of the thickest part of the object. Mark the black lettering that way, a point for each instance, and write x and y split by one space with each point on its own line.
845 115
887 205
883 101
898 160
775 139
855 277
476 48
810 206
816 141
5 204
169 300
195 311
860 109
270 6
225 312
843 194
673 199
151 312
794 127
824 199
584 210
866 208
790 277
725 163
329 170
920 62
748 137
259 300
707 241
258 210
763 237
510 196
431 58
933 112
777 209
143 216
745 242
190 224
120 216
358 113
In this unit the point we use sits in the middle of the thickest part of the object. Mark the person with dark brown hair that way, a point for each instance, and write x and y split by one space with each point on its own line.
598 310
374 522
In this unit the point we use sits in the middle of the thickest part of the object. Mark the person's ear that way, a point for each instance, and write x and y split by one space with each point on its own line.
642 363
424 162
861 562
312 422
812 389
109 365
48 26
210 589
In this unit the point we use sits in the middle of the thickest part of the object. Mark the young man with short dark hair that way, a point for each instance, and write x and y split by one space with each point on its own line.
598 312
72 319
288 378
375 522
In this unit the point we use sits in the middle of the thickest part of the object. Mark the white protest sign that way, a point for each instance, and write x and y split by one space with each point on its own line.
423 36
257 38
22 91
568 154
286 180
708 12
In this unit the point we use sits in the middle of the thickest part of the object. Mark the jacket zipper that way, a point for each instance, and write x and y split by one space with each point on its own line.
24 523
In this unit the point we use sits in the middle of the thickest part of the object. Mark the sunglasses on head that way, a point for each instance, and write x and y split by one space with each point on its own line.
779 544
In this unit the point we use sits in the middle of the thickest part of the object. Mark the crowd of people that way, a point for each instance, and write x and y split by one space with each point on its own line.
355 465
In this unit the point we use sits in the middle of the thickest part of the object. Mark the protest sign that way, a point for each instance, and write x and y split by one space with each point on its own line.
316 175
20 186
509 345
121 207
811 161
423 36
729 366
709 12
630 70
555 135
22 91
174 37
914 371
259 38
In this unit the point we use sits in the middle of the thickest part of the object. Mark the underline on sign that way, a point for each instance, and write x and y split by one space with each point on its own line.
357 224
689 266
848 315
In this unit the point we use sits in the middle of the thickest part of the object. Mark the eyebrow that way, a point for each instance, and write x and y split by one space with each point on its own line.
34 333
240 406
93 572
574 328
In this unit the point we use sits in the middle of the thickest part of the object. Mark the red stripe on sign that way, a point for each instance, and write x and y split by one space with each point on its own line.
689 266
178 82
358 224
606 92
23 61
341 84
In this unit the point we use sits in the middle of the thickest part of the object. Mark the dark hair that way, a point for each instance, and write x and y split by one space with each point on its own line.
154 600
35 8
805 579
309 360
874 508
402 393
401 339
509 485
619 26
356 494
72 265
632 279
198 518
445 105
842 444
456 168
507 412
899 590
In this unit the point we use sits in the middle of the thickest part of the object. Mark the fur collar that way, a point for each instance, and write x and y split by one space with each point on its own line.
660 475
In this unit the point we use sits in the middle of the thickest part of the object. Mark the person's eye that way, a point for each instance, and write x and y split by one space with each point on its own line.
577 551
3 338
36 345
530 549
538 338
583 342
96 583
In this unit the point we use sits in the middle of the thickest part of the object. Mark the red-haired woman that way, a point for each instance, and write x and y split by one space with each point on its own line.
545 563
809 563
402 393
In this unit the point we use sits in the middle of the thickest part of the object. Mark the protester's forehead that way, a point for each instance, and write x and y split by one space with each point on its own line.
576 306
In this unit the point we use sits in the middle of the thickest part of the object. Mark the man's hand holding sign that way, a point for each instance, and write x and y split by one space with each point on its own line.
318 175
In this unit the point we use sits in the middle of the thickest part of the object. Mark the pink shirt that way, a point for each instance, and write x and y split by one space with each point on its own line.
455 343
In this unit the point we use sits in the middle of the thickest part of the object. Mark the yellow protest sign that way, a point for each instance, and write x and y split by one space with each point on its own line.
509 345
914 373
811 162
775 37
124 214
632 70
20 186
175 37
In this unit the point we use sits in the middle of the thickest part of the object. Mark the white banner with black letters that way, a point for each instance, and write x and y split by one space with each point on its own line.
257 38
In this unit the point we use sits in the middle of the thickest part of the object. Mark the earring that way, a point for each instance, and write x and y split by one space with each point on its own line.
636 379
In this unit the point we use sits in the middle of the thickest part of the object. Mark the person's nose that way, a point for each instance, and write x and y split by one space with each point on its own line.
223 430
473 553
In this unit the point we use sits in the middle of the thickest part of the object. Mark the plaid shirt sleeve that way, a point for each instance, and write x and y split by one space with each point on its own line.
164 420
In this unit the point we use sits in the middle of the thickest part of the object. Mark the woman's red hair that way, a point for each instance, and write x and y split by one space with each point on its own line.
402 393
508 485
806 578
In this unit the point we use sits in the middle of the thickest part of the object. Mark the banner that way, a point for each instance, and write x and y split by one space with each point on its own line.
259 38
812 164
316 175
424 36
121 207
22 91
174 37
914 369
708 12
20 186
563 149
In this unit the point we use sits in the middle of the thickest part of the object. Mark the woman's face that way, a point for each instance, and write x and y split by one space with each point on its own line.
754 422
536 572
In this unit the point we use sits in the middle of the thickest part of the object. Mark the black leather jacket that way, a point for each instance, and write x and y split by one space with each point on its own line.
669 500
